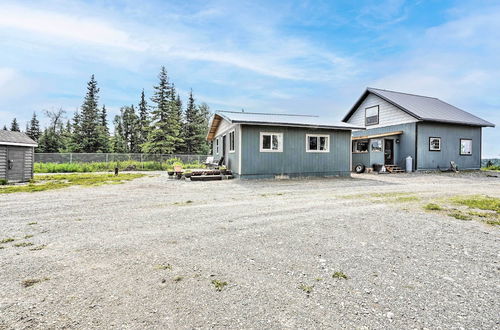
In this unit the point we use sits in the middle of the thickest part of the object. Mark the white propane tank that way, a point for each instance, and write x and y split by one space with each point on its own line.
409 164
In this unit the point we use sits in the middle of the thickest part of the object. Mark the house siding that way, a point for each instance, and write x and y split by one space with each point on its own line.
403 149
231 158
450 146
294 161
388 113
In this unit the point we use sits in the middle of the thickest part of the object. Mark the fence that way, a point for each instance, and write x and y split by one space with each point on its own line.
107 157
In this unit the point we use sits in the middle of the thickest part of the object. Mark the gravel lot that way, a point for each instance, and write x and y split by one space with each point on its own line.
144 254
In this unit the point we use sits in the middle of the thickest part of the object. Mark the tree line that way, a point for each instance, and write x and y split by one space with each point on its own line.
162 126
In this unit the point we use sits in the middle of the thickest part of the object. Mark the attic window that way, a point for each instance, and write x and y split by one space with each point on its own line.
371 115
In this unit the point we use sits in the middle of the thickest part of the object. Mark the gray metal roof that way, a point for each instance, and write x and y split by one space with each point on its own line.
15 138
424 108
275 119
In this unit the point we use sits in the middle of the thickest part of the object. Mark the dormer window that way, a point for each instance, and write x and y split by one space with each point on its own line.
371 115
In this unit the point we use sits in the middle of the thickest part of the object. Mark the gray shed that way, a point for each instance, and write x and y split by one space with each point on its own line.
16 156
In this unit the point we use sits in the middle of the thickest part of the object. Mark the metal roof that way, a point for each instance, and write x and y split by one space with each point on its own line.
423 108
282 120
16 138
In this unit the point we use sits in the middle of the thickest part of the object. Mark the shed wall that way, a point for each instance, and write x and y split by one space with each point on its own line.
294 160
3 162
450 146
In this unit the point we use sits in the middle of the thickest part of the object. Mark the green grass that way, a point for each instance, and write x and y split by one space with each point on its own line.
110 166
7 240
23 244
164 267
432 207
219 285
459 216
306 288
340 275
406 199
491 168
479 202
58 181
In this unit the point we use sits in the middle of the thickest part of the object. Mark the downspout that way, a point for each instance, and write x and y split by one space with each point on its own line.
416 146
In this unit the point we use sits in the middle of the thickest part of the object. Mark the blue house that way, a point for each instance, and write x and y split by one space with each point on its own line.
399 125
265 145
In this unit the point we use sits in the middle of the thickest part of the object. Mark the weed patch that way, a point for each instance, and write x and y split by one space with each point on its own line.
479 202
432 207
7 240
32 223
23 244
406 199
219 285
58 181
38 248
30 282
340 275
306 288
164 267
28 236
459 216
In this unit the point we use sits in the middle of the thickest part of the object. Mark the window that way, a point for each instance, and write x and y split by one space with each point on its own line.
466 147
271 142
434 144
317 143
377 145
217 146
359 146
231 141
371 115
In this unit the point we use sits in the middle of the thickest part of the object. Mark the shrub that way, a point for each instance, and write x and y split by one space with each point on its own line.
433 207
3 182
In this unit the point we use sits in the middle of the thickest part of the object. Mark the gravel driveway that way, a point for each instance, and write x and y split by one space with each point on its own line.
151 253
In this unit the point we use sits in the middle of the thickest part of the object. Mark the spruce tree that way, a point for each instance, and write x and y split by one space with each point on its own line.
130 124
14 126
189 127
5 128
76 135
162 136
117 140
103 131
90 119
33 128
202 119
143 120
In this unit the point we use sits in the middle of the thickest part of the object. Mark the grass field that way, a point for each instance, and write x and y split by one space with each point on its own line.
58 181
110 166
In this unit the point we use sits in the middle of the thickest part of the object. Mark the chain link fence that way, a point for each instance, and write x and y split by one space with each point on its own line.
109 157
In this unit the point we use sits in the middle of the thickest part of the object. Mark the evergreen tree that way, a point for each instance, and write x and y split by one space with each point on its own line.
189 127
66 138
90 119
164 132
143 120
202 119
76 135
14 126
177 116
5 128
130 125
103 131
33 128
117 141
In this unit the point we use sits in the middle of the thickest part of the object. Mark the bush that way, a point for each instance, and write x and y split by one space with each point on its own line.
3 182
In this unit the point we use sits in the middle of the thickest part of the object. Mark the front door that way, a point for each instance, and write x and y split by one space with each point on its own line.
389 152
15 163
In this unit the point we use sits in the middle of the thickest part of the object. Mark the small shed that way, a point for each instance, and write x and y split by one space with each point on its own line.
16 156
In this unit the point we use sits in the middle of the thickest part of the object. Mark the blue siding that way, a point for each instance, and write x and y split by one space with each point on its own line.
403 149
294 160
450 146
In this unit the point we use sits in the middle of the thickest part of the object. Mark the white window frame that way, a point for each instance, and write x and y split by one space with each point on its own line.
381 145
355 146
430 143
231 133
378 115
217 145
464 154
280 142
318 136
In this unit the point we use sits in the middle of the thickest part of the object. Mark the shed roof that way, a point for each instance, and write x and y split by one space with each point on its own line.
423 108
16 139
274 119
